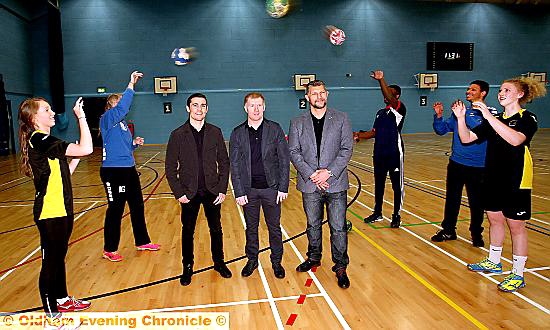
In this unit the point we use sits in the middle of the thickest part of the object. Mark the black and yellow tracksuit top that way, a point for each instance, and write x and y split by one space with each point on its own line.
51 175
511 166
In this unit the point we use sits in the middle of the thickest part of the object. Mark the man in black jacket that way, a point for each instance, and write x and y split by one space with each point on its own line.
260 166
197 169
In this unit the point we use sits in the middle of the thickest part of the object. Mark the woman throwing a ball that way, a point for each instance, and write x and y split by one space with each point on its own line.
119 175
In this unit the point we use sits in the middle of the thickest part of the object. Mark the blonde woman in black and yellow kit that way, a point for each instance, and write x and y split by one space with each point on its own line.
509 172
44 159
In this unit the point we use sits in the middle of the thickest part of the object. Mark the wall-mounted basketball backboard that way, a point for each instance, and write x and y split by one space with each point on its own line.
166 85
301 81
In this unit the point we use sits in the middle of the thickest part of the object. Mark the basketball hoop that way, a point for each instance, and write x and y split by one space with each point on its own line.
164 90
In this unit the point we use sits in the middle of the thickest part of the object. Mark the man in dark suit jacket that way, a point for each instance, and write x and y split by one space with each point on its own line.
321 145
260 167
197 169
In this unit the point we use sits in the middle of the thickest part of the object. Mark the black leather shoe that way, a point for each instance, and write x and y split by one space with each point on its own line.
343 280
307 265
279 271
443 235
185 278
223 270
395 221
249 268
375 217
477 241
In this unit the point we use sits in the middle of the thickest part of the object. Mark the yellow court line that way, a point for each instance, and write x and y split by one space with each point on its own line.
421 280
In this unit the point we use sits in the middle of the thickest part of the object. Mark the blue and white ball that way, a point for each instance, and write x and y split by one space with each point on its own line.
183 56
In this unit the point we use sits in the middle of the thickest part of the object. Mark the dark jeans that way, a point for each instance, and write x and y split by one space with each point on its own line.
122 185
314 206
54 242
458 176
189 215
381 169
267 199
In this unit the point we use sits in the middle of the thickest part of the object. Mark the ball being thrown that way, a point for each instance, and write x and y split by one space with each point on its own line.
335 35
183 56
277 8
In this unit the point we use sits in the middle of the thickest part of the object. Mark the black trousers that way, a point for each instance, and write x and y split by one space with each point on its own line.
381 168
458 176
189 215
267 200
54 242
122 185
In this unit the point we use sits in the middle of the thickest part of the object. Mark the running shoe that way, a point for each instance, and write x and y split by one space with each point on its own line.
486 266
148 247
73 305
112 256
511 283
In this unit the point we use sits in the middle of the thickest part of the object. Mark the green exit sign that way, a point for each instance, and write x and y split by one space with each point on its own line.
102 89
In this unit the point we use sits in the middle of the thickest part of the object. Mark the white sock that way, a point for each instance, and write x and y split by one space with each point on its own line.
494 253
519 265
62 300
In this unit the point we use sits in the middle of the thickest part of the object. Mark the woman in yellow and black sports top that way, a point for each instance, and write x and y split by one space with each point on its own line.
44 158
509 172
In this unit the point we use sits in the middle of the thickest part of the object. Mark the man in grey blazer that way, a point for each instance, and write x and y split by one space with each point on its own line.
260 167
321 145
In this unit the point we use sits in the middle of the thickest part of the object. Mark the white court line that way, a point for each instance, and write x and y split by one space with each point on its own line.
267 289
528 300
443 190
15 205
329 301
38 248
225 304
437 226
541 197
92 201
80 202
537 269
409 179
21 178
324 293
150 159
519 295
541 221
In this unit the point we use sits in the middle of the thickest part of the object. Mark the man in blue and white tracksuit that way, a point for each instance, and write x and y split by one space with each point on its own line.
388 150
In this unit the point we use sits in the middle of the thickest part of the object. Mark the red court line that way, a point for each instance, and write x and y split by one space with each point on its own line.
87 235
308 282
301 299
314 269
291 319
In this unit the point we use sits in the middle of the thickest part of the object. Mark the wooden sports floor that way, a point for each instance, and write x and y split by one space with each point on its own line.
399 278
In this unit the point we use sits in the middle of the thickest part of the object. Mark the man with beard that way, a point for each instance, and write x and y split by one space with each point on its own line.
321 145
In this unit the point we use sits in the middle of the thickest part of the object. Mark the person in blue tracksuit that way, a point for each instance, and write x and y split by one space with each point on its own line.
119 175
466 167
